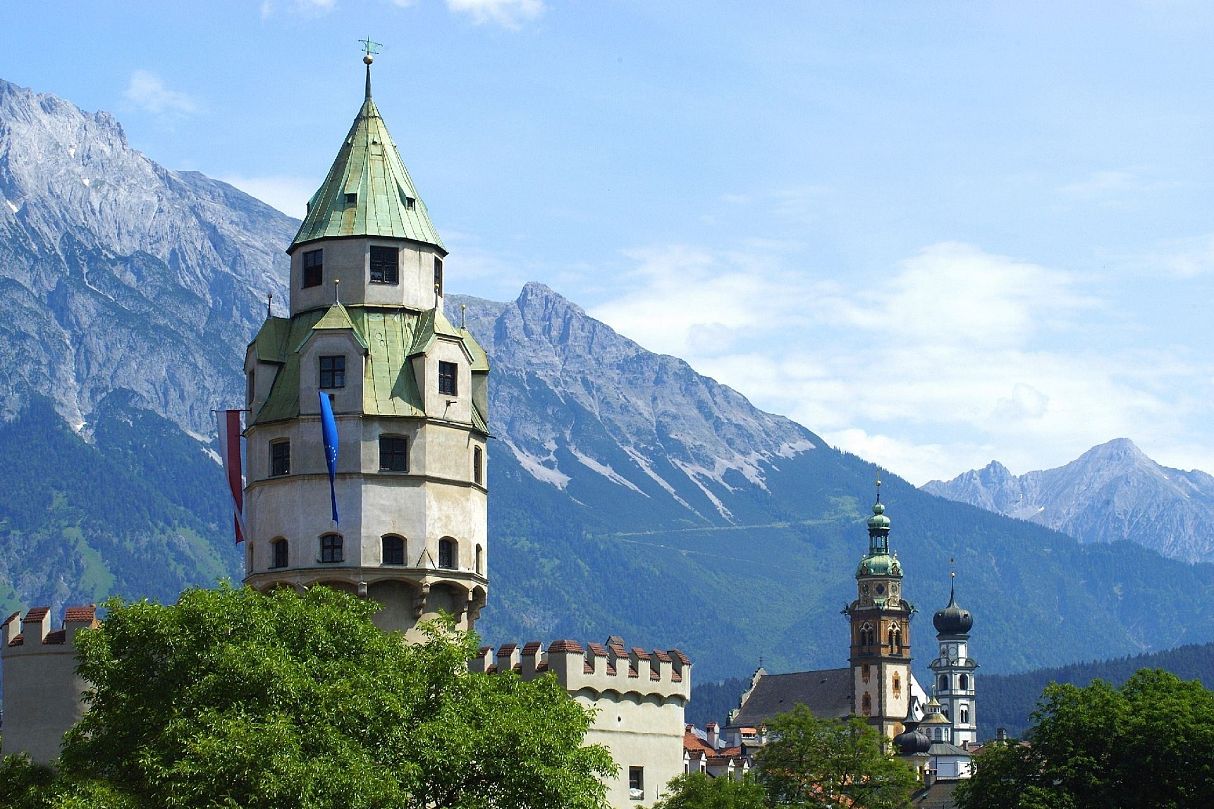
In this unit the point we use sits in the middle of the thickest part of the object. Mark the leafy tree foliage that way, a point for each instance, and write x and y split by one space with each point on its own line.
234 698
830 762
1149 743
698 791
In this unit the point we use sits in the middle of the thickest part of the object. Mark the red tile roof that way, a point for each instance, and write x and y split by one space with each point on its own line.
84 614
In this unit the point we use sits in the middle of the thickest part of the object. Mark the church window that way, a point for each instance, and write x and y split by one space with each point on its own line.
897 685
895 638
446 553
478 462
385 269
332 372
943 683
447 379
331 548
280 457
438 275
393 453
393 549
965 714
868 635
313 268
866 704
636 783
279 552
965 682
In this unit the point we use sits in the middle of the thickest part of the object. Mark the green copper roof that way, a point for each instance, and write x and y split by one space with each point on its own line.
389 335
368 191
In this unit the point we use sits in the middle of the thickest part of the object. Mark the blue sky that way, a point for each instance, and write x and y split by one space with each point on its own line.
936 233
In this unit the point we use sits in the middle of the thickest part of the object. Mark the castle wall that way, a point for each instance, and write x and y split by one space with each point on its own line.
42 692
638 698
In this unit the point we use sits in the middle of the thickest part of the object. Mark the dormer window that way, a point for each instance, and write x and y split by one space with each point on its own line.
385 267
447 378
351 199
313 268
332 372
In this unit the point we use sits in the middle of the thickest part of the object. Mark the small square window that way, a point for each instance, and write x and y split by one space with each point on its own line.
447 378
385 268
393 453
280 458
313 268
331 548
332 372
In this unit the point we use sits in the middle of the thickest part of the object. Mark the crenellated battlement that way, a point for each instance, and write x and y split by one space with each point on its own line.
600 668
32 634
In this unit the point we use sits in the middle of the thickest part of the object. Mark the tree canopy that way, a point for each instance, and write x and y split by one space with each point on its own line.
235 698
1148 743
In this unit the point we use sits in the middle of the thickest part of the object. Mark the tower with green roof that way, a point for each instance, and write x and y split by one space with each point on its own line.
409 391
880 632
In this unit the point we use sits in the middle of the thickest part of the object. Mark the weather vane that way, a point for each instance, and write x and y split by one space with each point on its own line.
370 48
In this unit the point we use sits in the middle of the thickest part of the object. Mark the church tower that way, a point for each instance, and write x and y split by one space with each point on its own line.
954 670
880 633
408 390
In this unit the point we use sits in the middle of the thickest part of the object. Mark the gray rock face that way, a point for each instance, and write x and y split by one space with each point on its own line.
118 274
1111 492
656 427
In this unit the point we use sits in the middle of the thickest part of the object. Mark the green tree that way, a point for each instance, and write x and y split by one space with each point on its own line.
698 791
233 698
1149 743
831 762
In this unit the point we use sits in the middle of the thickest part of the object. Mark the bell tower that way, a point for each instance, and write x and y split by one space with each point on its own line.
408 390
880 632
954 670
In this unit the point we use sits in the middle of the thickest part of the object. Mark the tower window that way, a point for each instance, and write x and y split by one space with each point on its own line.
866 704
478 460
332 372
943 682
351 199
252 388
480 560
965 682
447 380
868 635
897 685
965 714
331 548
279 552
393 453
393 550
438 275
313 268
895 638
385 268
280 457
636 783
446 553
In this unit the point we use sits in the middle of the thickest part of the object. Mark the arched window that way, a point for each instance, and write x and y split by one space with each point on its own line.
895 637
393 547
480 561
446 553
279 553
331 548
965 682
868 635
866 704
965 714
943 683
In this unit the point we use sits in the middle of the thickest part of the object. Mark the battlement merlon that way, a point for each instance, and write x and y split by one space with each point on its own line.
32 634
594 667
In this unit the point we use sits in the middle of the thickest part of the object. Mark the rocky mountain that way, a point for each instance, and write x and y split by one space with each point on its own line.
1112 492
629 494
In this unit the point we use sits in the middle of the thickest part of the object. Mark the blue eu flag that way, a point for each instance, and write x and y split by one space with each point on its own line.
328 428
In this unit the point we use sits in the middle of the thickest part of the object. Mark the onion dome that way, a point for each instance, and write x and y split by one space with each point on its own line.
878 520
952 620
912 741
881 564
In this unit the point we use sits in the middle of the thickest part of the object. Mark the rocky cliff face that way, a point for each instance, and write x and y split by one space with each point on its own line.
1112 492
116 273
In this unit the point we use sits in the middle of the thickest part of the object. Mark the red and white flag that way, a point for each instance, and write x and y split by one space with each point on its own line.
229 450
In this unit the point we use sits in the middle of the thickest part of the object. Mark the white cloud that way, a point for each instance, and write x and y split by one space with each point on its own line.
286 193
507 13
310 8
956 357
147 91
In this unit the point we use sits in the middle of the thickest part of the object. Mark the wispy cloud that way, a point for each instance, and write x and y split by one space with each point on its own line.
506 13
956 357
309 8
148 92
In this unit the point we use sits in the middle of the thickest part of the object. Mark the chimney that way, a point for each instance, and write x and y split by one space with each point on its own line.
714 735
1001 735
